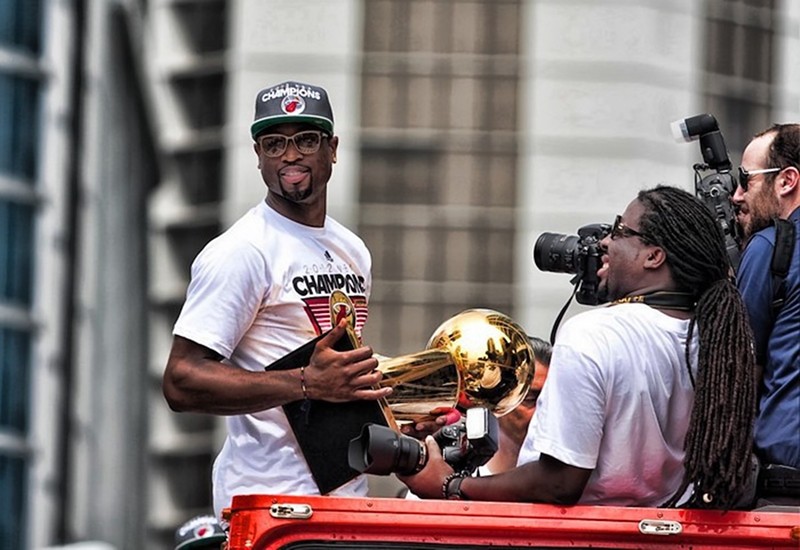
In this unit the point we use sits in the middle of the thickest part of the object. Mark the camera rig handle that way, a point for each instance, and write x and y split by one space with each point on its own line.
715 191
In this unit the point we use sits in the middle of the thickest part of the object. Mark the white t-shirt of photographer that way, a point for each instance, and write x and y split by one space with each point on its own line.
618 400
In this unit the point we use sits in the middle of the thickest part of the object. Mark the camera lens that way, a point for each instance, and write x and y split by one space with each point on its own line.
556 252
381 451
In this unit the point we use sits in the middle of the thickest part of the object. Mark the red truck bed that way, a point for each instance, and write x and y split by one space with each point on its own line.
275 521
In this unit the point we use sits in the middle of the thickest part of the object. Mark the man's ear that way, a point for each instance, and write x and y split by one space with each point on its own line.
656 257
334 144
791 181
255 148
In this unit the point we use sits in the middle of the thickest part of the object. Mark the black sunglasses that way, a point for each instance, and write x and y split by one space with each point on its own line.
744 175
620 230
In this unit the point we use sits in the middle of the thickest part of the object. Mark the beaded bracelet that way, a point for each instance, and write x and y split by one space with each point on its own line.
458 477
303 382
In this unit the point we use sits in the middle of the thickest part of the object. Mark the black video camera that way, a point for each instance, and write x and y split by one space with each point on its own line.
466 445
715 190
580 255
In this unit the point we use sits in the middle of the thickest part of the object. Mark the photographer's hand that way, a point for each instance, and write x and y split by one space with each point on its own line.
429 425
427 483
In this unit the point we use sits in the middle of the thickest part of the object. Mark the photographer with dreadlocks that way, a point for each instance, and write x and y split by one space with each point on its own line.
650 400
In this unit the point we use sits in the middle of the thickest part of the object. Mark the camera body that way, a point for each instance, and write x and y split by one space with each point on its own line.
580 255
715 190
465 445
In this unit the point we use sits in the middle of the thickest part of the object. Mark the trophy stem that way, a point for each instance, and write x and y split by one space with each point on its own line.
424 384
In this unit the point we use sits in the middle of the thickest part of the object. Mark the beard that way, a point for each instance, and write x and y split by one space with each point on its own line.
297 195
761 210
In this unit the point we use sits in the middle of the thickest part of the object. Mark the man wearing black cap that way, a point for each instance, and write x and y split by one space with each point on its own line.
283 274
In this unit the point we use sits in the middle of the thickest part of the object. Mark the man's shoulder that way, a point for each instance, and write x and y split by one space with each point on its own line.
622 322
608 320
338 232
243 239
250 228
759 245
337 227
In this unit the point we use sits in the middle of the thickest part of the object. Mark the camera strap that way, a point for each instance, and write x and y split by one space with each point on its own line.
781 259
661 299
575 281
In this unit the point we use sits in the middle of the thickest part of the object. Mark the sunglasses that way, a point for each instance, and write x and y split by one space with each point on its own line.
620 230
744 175
306 142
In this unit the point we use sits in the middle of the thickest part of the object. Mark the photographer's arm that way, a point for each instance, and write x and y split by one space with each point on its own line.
197 380
546 480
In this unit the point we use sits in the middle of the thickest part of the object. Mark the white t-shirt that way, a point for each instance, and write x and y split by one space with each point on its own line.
258 291
618 400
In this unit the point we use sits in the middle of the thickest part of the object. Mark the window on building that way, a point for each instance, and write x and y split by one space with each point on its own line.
20 44
439 160
739 66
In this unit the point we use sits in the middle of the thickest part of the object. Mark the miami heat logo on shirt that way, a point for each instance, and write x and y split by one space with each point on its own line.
342 308
325 312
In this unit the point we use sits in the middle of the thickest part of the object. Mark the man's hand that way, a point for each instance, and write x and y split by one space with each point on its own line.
431 424
427 483
339 376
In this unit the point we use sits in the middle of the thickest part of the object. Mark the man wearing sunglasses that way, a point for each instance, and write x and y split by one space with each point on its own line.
649 400
282 275
769 188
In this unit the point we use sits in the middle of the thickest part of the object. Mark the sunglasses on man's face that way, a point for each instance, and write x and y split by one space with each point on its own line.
744 175
620 230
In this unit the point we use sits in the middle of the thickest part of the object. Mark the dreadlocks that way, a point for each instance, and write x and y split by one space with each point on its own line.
720 434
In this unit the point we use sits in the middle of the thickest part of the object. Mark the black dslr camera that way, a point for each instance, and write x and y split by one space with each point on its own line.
465 445
715 190
580 255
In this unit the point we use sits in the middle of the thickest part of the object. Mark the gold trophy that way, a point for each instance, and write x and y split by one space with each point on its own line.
477 358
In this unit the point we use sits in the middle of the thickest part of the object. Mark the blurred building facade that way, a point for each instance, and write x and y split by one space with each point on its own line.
467 128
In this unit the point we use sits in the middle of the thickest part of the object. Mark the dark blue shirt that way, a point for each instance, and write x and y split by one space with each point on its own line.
777 431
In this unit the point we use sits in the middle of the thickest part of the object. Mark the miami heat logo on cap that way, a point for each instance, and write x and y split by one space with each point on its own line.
293 105
204 531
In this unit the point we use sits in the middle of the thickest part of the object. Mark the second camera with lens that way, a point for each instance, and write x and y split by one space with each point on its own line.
465 445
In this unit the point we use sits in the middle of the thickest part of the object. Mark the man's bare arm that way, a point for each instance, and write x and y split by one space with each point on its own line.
197 380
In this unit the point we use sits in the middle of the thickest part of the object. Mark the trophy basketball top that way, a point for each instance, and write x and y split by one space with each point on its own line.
493 355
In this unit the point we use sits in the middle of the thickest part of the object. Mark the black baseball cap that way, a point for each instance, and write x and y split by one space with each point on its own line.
292 102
